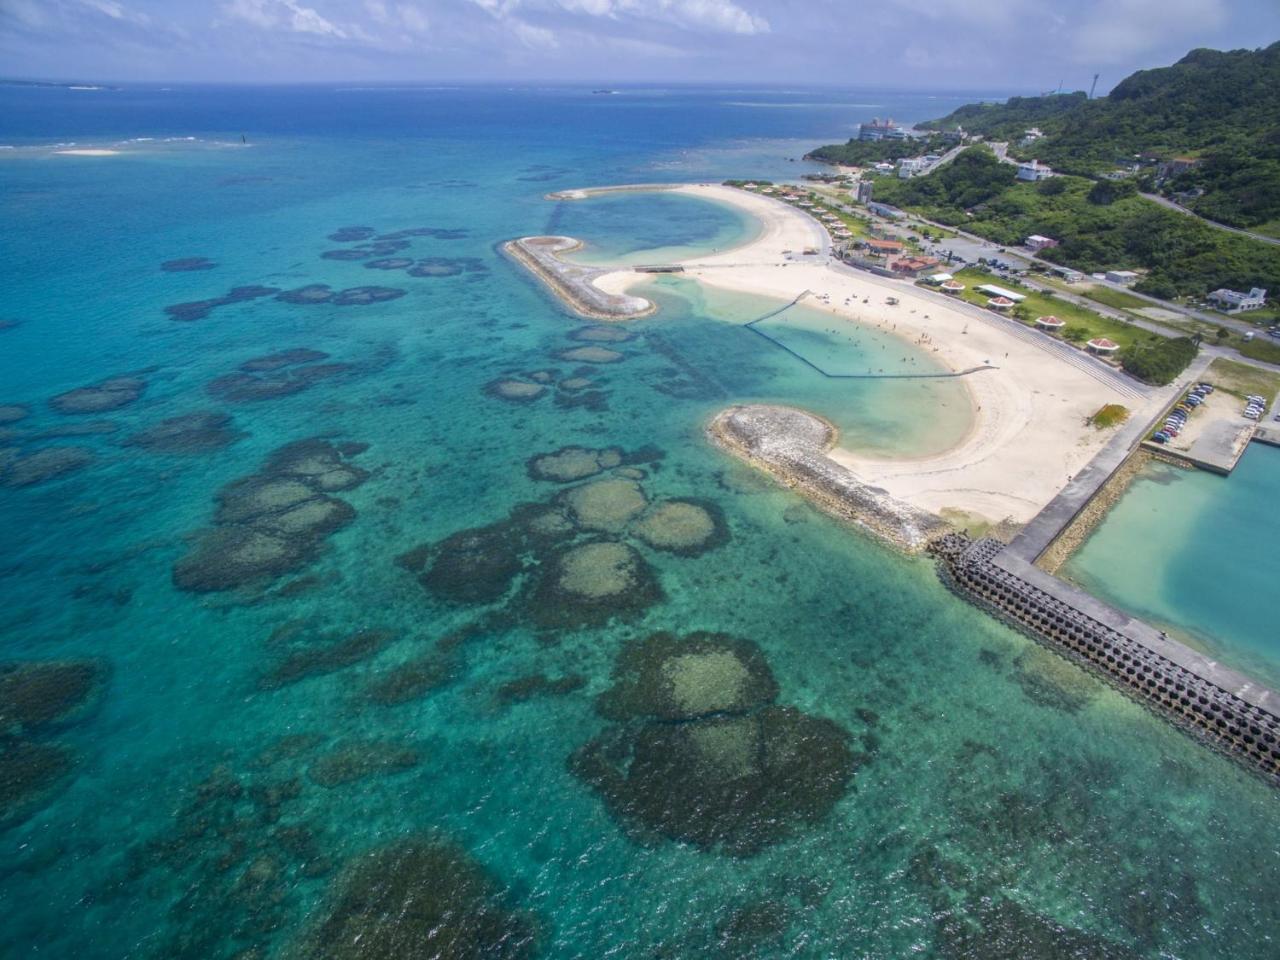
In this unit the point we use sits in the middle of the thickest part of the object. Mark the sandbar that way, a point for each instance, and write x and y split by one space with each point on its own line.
88 152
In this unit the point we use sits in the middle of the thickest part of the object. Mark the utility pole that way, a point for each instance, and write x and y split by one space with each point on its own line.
1095 85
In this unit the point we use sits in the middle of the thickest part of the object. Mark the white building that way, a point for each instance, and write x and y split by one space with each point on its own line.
1038 243
1000 293
1125 278
1234 302
881 130
908 168
1033 170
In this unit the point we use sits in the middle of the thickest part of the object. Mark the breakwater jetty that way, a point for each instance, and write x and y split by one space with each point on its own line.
791 445
585 193
574 283
1219 706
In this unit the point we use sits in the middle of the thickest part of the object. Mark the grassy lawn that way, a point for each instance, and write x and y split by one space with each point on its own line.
1088 323
1115 298
1266 350
1241 379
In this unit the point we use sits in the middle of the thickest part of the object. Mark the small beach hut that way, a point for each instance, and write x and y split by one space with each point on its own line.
1051 324
1102 346
1000 303
953 287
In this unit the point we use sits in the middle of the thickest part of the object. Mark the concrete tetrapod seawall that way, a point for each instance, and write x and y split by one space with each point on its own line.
791 445
574 283
1218 705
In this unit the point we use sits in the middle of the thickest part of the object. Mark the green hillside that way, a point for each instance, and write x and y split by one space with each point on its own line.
1220 107
1101 225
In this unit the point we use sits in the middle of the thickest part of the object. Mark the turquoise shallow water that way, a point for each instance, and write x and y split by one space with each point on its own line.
1196 553
1000 795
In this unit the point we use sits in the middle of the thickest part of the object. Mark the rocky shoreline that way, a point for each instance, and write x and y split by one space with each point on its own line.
791 446
573 283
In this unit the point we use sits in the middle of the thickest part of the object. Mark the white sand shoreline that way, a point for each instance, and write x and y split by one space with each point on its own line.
1028 436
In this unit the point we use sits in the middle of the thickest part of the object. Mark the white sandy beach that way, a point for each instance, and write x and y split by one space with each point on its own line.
1029 434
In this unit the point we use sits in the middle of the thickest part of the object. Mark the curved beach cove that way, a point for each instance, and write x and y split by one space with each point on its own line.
360 599
1195 553
1029 433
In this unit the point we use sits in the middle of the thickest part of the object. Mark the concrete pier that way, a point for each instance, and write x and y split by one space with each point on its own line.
1218 705
1268 434
572 282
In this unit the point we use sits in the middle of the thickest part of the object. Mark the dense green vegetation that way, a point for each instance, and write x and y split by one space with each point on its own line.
864 153
1222 107
1158 360
1097 230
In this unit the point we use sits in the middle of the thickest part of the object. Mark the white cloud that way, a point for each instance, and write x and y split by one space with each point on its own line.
413 19
26 12
288 14
1120 30
537 38
721 16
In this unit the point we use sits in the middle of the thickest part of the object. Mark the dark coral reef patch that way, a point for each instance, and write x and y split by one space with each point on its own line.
514 391
274 521
361 296
36 695
199 309
687 527
41 466
31 774
355 760
670 677
187 264
411 680
447 266
702 754
733 783
276 375
569 464
352 234
538 685
309 294
589 584
197 432
419 897
110 394
283 358
325 656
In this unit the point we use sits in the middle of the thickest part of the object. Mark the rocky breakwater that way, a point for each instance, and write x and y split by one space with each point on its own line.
572 282
791 446
1218 706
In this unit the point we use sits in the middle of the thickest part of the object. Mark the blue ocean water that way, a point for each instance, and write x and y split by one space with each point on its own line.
245 753
1199 558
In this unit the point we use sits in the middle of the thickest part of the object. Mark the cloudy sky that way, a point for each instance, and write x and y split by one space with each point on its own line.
1012 45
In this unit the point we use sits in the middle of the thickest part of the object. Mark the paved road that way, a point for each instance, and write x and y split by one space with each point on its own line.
1170 205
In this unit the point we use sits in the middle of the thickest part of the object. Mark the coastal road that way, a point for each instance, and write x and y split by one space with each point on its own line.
1171 205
